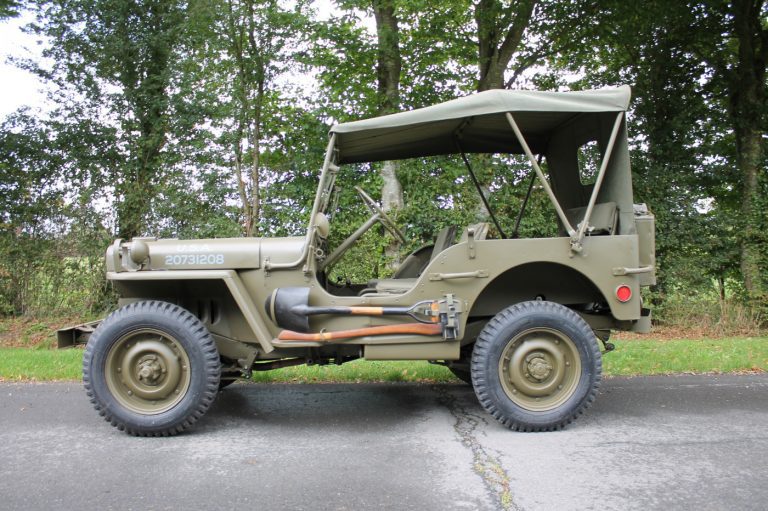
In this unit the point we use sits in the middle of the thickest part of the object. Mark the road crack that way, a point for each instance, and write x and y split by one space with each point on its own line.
485 462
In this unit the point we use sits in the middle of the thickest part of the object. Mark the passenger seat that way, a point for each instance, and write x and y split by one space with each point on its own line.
444 240
400 285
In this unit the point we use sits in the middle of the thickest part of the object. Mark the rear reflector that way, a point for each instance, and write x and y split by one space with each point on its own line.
623 293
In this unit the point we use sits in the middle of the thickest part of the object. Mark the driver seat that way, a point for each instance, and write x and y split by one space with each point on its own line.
444 240
413 265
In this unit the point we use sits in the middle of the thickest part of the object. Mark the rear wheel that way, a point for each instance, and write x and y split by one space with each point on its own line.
536 366
151 368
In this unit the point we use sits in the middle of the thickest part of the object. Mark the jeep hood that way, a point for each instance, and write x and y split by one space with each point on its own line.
146 254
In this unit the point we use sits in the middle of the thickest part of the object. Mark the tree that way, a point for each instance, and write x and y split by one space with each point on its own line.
44 268
257 36
384 52
514 37
644 45
115 59
737 51
10 9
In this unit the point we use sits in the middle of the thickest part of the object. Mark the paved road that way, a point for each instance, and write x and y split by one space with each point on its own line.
690 442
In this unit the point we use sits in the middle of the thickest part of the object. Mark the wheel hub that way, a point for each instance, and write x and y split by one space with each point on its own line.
538 367
148 371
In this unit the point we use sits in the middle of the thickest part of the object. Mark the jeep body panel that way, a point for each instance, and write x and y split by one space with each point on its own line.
497 281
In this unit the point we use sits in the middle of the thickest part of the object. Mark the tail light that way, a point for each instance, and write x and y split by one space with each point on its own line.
623 293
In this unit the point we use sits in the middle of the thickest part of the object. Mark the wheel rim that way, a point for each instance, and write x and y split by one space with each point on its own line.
147 371
540 369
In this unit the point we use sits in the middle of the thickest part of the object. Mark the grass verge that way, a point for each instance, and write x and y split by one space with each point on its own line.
25 364
681 356
631 358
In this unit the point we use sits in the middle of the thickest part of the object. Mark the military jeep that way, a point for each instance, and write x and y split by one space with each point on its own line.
524 321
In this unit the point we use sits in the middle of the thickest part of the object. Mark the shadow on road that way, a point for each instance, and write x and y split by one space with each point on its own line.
346 406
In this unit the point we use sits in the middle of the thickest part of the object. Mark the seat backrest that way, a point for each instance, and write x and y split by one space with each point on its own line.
444 240
603 221
481 232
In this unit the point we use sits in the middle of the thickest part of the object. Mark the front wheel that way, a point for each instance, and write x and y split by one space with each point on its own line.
151 369
536 366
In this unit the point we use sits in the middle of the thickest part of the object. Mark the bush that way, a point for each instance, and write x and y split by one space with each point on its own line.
43 277
720 312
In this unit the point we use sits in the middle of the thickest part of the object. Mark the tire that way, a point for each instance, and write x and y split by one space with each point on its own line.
172 367
536 366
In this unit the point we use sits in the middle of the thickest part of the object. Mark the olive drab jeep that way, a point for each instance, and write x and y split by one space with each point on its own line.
524 321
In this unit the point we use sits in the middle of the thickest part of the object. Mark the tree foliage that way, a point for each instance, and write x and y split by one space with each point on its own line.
195 118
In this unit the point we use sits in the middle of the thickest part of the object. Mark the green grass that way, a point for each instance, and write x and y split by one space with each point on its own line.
40 365
648 357
635 357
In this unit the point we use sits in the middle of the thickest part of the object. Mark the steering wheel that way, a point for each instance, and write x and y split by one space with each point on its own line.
384 220
377 215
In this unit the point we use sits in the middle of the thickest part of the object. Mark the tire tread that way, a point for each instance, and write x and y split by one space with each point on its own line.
490 335
200 336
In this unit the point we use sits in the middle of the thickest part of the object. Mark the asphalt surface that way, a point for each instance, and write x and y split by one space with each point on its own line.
688 442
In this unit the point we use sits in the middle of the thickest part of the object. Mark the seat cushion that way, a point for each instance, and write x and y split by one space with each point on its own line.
394 286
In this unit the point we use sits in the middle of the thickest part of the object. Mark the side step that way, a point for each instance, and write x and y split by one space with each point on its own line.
74 335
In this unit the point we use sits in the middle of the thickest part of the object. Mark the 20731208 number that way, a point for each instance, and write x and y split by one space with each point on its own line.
183 259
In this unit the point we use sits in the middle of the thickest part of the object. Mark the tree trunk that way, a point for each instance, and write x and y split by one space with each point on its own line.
255 207
388 73
752 257
391 191
499 39
747 107
389 61
242 191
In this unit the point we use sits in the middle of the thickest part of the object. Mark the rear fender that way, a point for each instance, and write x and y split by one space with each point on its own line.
553 282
